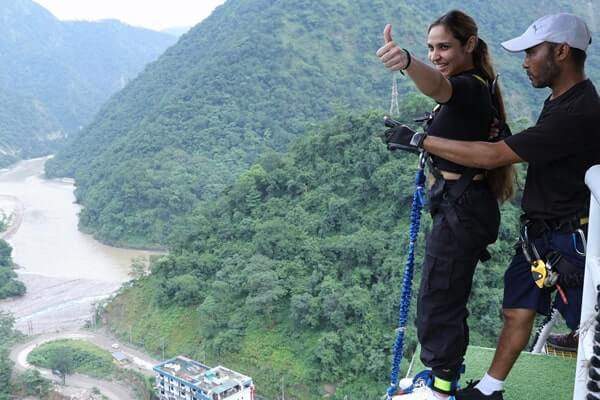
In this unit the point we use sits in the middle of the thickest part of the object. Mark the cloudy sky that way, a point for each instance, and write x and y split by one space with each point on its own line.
152 14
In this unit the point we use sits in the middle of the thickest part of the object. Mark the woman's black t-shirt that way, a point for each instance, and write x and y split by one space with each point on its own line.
467 115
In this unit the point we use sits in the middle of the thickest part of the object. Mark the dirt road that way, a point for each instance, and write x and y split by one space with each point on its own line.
112 390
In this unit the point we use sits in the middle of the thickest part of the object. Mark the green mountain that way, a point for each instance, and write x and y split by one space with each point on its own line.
294 272
55 75
285 260
248 79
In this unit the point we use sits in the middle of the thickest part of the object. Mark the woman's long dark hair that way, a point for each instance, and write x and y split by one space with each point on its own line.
501 180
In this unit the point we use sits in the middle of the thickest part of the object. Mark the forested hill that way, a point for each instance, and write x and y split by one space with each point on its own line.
55 75
247 79
295 270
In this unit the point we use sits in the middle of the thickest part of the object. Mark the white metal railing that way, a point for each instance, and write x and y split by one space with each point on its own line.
590 285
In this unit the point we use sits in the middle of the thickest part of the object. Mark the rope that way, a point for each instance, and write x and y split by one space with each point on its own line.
394 108
405 294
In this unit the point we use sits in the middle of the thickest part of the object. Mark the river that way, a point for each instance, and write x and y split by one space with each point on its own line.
65 270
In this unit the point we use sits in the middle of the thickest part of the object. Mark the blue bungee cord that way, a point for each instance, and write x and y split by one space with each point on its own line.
415 221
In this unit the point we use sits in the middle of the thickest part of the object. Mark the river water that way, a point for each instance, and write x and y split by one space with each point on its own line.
65 271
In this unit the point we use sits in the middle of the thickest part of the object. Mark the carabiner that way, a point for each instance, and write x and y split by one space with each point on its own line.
529 250
524 239
583 242
422 159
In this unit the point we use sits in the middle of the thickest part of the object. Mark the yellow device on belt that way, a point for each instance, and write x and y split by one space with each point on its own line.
538 270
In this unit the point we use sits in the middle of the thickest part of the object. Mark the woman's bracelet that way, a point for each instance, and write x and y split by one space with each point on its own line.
407 63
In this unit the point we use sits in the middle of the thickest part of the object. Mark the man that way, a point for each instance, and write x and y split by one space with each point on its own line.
560 148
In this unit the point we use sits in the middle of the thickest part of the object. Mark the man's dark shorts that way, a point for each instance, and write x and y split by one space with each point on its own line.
520 291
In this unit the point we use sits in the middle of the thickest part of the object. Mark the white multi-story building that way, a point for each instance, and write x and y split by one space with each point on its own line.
183 379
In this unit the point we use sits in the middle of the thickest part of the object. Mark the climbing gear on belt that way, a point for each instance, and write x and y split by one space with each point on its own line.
544 273
555 271
568 274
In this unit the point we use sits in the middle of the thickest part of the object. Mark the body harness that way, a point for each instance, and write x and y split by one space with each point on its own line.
452 195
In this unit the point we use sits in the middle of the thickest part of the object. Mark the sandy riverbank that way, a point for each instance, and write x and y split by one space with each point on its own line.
55 304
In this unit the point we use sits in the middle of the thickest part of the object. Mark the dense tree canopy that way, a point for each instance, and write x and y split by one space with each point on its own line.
312 244
7 338
281 225
246 80
9 285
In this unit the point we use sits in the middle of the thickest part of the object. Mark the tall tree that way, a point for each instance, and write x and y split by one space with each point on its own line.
62 360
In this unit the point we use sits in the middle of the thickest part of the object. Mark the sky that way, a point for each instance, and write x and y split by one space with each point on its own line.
152 14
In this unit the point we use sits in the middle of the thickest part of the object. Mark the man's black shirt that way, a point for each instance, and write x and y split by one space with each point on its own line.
560 148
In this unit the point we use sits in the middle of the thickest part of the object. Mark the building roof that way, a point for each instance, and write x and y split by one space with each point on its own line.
119 356
211 380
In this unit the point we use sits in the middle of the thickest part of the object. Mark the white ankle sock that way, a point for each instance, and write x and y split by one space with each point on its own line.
488 385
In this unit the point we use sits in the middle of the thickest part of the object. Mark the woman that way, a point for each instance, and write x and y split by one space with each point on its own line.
463 201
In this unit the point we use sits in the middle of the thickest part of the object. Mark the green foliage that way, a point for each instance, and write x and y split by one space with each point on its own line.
7 338
56 75
5 372
68 356
9 285
138 267
246 81
33 383
310 246
279 262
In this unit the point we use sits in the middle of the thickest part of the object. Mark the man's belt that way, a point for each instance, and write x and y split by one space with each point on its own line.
537 226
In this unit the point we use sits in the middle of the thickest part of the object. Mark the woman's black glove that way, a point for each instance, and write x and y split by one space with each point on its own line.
402 137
